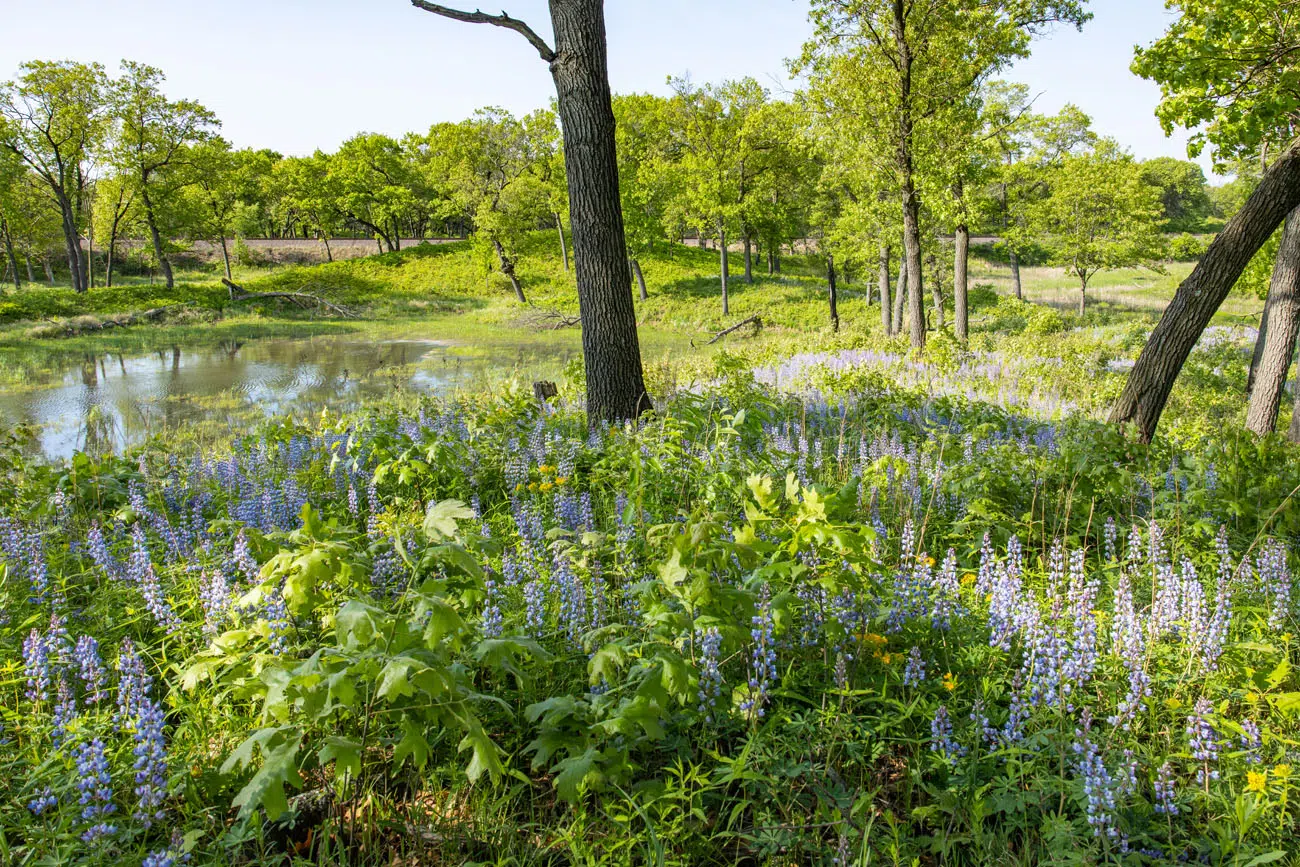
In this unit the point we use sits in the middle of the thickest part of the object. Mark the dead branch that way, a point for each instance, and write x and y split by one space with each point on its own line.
502 20
756 321
302 299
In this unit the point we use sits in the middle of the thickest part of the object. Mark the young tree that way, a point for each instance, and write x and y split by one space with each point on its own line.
153 137
1099 214
579 66
373 182
11 174
646 174
305 187
114 217
55 116
221 180
1227 71
900 67
1184 197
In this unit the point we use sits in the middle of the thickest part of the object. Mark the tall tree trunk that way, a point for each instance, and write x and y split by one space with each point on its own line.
771 261
936 291
833 292
1015 277
910 200
9 254
1283 312
49 272
27 257
610 346
749 259
508 268
73 244
159 252
111 253
564 248
1294 433
1148 386
900 296
724 267
225 257
886 304
1083 295
640 278
1258 352
329 254
960 283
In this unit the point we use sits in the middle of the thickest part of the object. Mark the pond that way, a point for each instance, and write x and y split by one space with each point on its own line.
107 400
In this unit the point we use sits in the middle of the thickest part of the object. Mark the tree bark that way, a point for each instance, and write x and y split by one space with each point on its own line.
960 283
508 268
724 267
910 200
640 278
564 248
225 258
900 296
1148 386
771 262
1294 433
1083 295
833 292
329 254
749 259
936 292
9 254
886 304
610 346
1015 277
73 244
1258 352
49 272
1283 313
156 237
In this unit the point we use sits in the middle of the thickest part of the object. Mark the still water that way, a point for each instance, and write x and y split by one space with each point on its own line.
106 401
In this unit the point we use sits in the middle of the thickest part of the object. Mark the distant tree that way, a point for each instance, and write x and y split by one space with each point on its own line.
1184 196
373 183
115 217
152 138
1227 71
306 189
579 67
1099 214
55 124
11 175
221 180
546 147
899 68
646 174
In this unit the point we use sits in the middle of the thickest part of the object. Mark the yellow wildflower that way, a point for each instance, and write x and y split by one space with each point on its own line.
968 578
950 681
887 658
1282 771
532 486
546 469
545 486
1256 782
559 480
929 561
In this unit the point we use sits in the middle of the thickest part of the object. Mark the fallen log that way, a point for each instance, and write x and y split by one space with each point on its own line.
302 299
756 321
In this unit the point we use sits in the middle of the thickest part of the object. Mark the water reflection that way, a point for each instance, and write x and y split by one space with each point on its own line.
100 402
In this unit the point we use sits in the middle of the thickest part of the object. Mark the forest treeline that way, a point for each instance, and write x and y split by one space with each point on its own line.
90 161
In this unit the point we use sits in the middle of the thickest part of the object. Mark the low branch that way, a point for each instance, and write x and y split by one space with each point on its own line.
302 299
502 20
756 321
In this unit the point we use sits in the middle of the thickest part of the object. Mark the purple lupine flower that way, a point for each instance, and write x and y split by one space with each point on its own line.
132 686
276 615
156 602
150 764
941 739
1251 741
243 560
711 682
65 710
534 600
1203 741
94 782
914 671
987 733
44 800
1275 577
90 668
1099 789
216 597
945 594
36 665
1078 667
573 599
491 620
1166 791
1110 537
97 548
984 578
762 671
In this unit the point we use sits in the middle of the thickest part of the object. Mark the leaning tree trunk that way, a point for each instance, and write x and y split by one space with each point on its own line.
73 244
610 346
723 267
886 320
640 278
508 268
1283 312
225 257
564 248
1015 277
960 283
1148 386
1258 352
159 252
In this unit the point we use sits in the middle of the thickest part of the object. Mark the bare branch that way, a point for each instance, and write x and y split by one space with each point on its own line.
502 20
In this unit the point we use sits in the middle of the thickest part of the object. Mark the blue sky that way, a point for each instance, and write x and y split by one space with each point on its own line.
295 75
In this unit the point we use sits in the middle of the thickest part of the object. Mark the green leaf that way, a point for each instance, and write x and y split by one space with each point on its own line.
440 519
395 680
266 788
413 745
673 572
486 757
574 773
345 753
606 664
